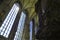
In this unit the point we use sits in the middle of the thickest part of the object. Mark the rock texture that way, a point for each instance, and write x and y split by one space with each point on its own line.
50 31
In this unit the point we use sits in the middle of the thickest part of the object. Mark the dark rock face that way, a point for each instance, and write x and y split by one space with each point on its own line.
52 30
1 1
